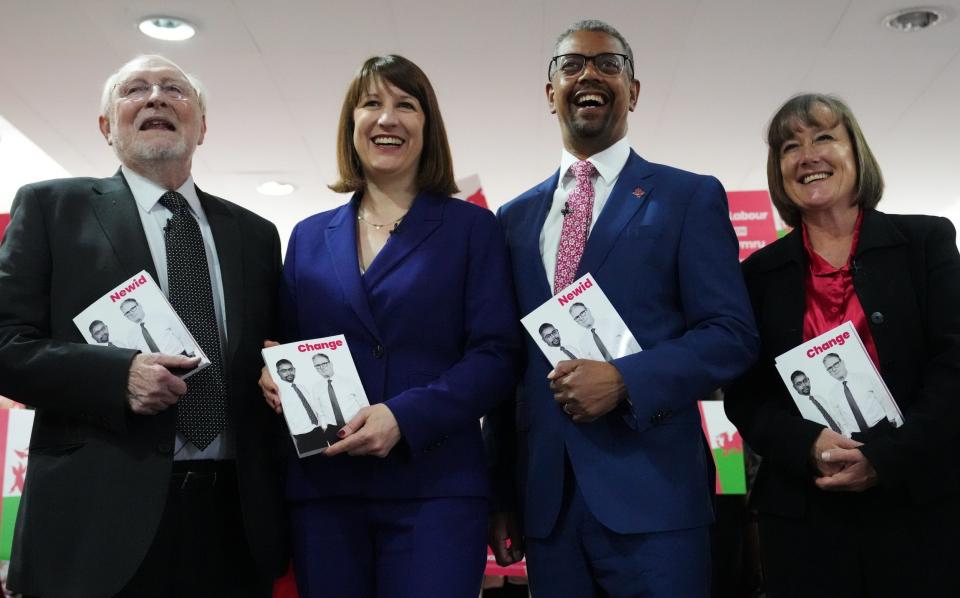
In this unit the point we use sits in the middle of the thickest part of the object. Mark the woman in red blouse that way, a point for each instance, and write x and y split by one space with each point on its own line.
875 512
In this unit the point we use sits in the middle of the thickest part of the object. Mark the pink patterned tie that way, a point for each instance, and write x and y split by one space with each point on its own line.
576 225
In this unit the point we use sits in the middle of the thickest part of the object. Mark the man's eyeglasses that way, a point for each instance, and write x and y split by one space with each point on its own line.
138 90
834 366
571 65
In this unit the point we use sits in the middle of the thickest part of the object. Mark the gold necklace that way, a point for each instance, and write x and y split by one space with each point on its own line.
393 226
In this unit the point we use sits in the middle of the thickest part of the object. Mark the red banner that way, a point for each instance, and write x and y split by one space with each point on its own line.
4 221
751 214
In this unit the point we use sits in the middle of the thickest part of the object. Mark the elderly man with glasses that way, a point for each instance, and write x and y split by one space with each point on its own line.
616 478
136 476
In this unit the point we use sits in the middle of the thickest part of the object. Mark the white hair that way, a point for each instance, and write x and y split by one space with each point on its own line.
106 97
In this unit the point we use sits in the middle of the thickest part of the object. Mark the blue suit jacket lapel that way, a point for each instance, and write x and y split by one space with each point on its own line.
528 233
341 239
424 217
625 200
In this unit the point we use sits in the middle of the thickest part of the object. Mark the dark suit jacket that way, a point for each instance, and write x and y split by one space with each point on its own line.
665 254
434 334
907 277
98 475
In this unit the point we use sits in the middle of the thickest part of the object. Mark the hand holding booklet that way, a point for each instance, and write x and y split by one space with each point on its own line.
137 315
834 382
319 388
579 322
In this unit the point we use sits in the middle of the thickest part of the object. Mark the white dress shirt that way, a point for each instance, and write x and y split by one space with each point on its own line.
842 417
154 218
616 339
871 399
166 333
555 355
350 399
608 163
297 418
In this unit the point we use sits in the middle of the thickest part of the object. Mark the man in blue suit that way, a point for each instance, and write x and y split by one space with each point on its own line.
614 475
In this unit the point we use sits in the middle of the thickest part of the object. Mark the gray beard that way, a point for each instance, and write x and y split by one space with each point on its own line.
139 151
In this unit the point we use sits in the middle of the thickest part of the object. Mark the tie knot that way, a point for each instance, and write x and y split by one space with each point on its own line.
173 201
583 170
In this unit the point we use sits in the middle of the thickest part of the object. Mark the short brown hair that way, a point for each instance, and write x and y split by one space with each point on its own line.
799 109
435 172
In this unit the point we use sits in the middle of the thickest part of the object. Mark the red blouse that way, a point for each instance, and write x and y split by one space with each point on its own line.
830 298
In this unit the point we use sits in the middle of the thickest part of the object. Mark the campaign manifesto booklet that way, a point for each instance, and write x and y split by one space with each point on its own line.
579 322
834 382
137 315
320 389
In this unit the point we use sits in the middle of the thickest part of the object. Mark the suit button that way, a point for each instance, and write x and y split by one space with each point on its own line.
165 447
657 417
877 317
378 351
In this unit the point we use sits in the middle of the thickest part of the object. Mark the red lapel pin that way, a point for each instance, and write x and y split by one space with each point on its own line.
638 192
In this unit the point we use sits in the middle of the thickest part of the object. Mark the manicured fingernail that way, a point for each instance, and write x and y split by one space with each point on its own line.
341 433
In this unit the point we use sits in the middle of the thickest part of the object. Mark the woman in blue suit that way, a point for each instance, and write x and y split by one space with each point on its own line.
420 285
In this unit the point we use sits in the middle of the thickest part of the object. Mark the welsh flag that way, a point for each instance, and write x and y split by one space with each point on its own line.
15 427
726 446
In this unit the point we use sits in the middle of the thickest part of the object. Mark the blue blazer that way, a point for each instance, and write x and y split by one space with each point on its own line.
433 331
665 254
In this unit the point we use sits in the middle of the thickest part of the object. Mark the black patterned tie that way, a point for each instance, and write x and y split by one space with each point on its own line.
202 411
568 353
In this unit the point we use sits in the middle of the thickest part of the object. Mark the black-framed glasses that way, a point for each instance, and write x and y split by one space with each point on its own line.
571 65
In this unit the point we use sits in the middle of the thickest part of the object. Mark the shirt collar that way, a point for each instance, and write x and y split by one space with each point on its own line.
608 163
147 193
820 266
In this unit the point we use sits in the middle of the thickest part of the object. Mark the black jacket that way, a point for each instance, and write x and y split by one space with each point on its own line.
98 475
906 272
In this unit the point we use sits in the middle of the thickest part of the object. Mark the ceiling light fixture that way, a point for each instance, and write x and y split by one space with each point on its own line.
275 188
913 19
169 29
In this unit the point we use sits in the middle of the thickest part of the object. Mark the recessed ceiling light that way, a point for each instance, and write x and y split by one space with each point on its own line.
913 19
169 29
275 188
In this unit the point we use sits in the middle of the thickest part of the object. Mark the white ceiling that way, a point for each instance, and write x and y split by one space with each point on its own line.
712 73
